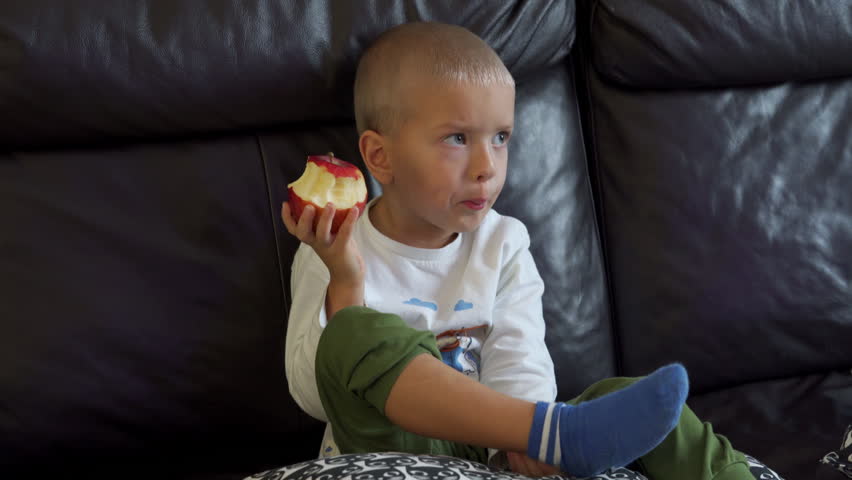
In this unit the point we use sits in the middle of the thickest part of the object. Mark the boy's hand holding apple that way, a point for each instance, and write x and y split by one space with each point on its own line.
323 206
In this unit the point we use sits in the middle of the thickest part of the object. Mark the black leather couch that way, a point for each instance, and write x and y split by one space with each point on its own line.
684 169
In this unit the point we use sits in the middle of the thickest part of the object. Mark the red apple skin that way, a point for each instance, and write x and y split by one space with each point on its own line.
338 168
335 166
297 206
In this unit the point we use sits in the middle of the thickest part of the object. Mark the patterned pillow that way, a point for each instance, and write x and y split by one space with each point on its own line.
760 471
403 466
842 459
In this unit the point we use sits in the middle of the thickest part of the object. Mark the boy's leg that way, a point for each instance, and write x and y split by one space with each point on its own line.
691 450
360 355
372 367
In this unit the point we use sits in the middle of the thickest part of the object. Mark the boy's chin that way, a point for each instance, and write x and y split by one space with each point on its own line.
470 224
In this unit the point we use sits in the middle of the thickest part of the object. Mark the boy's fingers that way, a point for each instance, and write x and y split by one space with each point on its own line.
513 463
518 465
348 224
305 227
534 467
324 226
544 469
287 217
531 467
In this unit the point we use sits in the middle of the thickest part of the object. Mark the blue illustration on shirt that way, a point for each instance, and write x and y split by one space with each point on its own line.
462 305
420 303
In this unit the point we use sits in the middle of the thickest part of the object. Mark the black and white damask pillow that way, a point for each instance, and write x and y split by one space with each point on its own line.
760 471
842 459
403 466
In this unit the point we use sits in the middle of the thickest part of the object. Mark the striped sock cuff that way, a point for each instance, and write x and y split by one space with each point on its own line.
534 442
544 435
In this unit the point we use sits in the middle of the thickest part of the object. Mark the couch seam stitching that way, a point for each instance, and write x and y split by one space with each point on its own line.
265 165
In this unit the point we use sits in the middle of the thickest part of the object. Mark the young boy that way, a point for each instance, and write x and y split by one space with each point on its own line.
419 328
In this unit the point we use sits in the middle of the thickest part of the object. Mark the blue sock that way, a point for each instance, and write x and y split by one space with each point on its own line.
612 430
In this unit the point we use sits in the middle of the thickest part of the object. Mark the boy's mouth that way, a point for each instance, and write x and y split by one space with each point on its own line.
475 203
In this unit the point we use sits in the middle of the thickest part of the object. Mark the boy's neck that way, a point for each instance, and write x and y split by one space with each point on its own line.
396 226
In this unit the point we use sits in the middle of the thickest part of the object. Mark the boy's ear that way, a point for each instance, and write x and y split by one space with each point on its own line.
375 155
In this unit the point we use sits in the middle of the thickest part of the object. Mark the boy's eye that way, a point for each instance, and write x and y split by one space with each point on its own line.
500 139
454 139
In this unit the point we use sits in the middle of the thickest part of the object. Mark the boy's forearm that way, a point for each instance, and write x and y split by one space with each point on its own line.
340 295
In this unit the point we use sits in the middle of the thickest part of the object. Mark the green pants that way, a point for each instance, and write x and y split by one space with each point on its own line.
362 352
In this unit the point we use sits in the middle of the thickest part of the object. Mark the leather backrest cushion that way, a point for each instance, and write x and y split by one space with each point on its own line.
665 44
142 308
727 210
74 73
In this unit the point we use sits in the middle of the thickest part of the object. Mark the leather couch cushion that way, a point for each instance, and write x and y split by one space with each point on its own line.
810 411
726 212
727 216
727 219
142 310
74 73
665 44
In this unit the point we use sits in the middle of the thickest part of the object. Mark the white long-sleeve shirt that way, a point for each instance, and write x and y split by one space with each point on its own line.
480 295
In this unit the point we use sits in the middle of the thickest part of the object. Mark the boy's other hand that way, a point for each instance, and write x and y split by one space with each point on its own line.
338 251
520 463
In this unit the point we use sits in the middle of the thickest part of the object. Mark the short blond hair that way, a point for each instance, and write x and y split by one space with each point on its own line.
438 51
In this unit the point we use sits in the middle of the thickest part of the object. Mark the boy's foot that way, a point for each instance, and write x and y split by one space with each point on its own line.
612 430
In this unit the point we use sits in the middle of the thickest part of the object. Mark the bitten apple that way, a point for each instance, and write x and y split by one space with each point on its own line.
328 179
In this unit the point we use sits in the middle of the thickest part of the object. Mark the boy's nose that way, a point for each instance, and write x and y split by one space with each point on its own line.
482 164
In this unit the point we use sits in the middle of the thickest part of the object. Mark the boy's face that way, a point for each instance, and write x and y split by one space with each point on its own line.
449 156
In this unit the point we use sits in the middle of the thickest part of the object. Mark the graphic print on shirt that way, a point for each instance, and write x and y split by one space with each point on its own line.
462 305
459 349
420 303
